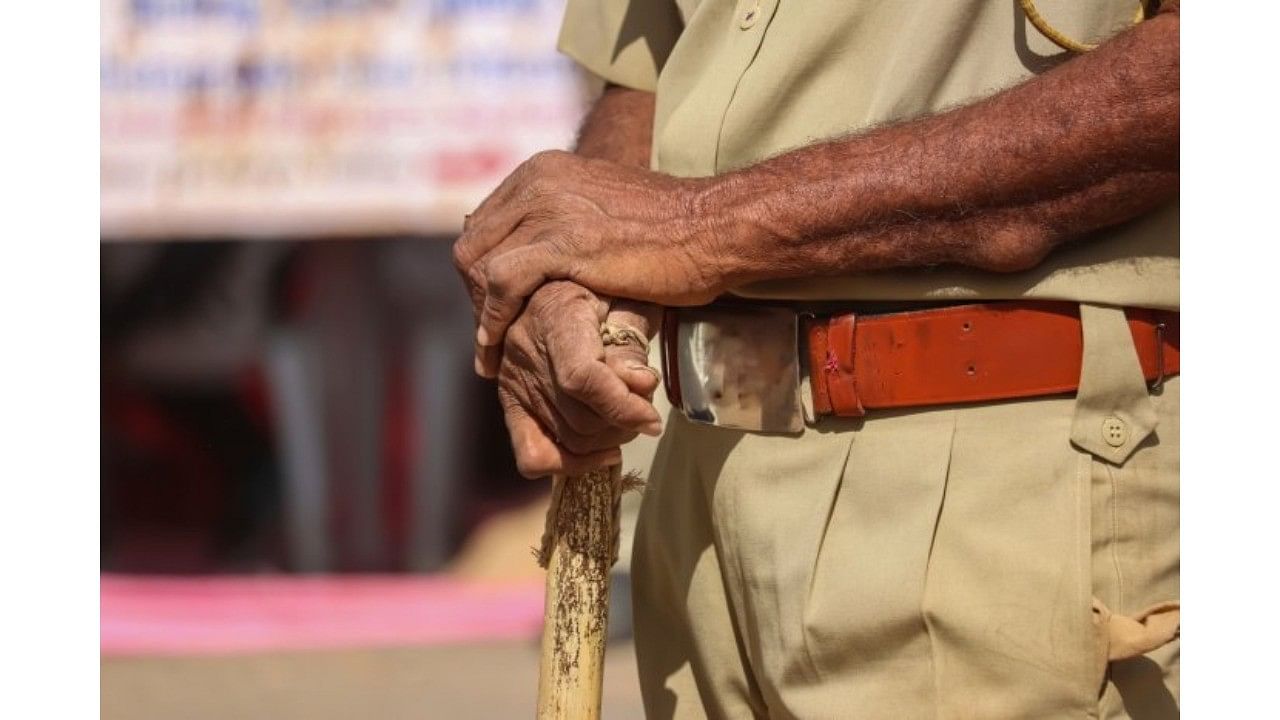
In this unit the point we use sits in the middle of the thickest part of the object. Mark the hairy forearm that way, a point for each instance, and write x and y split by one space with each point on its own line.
619 128
994 185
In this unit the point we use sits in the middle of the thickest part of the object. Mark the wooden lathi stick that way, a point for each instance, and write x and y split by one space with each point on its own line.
579 547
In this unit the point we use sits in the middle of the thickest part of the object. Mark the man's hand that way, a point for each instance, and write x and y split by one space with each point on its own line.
569 401
618 229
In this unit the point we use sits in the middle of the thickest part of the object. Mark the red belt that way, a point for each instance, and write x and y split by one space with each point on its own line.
963 354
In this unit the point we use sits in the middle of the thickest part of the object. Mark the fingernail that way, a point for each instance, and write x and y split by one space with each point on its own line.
479 367
482 336
641 367
653 429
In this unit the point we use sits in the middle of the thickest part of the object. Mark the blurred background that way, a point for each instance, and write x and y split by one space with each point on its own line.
309 504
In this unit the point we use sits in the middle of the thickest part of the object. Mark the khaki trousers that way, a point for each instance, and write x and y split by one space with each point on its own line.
930 563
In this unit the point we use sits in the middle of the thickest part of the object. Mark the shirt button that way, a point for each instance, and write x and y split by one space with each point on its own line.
749 17
1115 432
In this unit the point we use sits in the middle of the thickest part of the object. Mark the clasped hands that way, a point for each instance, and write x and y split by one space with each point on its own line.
543 258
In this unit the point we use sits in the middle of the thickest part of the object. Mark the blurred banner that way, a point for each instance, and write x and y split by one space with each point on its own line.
307 118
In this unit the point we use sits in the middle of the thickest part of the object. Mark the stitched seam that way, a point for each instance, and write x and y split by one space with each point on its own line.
724 114
1115 538
1083 489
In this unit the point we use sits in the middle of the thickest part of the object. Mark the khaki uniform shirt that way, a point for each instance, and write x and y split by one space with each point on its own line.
738 82
948 562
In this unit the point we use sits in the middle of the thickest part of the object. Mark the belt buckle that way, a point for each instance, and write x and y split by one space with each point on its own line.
735 367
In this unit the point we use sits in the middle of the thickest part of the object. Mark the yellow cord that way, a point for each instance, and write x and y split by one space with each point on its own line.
1062 41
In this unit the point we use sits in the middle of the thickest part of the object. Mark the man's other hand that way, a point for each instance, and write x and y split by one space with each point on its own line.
620 230
569 401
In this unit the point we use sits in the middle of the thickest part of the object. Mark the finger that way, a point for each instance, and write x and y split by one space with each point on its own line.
490 223
475 275
521 180
537 456
487 232
571 464
573 419
603 392
511 279
488 359
473 278
631 364
574 340
580 444
567 422
578 417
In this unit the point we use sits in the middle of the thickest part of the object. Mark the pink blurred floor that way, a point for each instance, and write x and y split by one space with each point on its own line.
148 615
329 647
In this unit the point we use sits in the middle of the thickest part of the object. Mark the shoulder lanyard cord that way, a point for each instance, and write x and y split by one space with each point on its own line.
1058 38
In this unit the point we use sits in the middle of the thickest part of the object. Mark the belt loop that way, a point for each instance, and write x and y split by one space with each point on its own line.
839 366
817 347
1114 412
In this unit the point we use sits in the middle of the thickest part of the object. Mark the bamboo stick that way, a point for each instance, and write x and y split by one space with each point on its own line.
579 547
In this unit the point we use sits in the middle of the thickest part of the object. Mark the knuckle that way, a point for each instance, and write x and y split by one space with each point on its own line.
461 256
502 269
494 314
497 277
475 274
541 187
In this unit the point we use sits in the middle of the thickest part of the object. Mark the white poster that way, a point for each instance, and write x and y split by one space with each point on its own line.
315 118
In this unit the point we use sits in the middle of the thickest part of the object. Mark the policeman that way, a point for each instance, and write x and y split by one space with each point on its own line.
923 457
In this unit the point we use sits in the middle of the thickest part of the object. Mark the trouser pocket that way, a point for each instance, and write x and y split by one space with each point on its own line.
1129 440
1136 569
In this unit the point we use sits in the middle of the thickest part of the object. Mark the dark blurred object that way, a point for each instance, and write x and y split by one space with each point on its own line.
304 406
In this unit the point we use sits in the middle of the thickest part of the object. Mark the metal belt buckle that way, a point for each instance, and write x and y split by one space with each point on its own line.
735 367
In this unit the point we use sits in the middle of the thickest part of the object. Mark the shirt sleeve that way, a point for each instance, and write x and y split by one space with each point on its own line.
625 42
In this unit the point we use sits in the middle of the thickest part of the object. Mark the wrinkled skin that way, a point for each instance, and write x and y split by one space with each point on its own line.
569 401
564 412
617 229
